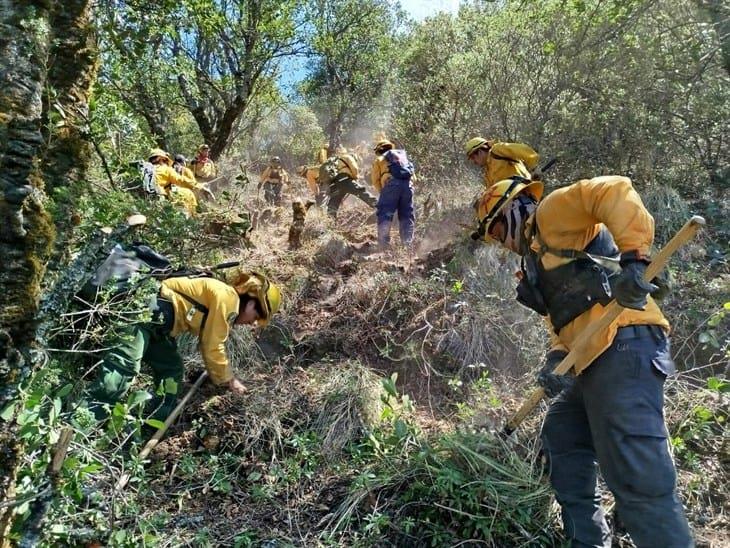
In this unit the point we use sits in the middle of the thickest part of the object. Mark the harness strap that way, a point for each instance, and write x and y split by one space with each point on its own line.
611 263
196 306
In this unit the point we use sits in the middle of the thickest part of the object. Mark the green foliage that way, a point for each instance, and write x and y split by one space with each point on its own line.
712 335
700 434
213 69
609 87
354 43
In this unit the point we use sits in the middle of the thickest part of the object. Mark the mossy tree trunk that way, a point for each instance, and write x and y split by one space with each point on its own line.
46 52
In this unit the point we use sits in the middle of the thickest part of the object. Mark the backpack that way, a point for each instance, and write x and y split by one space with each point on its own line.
275 174
125 265
399 166
149 185
328 170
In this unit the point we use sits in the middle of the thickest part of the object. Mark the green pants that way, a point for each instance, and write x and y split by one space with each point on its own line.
338 190
122 363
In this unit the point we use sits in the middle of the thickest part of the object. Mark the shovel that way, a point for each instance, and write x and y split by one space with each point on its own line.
685 234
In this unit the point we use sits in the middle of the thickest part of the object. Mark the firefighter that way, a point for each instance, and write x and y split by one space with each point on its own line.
272 180
582 246
175 186
501 160
391 176
205 307
338 178
202 166
310 173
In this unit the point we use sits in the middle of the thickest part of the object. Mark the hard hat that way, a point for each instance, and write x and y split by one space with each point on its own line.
474 144
258 286
383 144
203 147
180 159
496 198
159 153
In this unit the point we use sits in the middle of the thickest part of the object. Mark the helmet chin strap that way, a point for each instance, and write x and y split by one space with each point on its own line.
515 215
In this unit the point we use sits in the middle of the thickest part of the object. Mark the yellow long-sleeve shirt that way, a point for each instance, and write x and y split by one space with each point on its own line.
204 170
380 174
274 175
506 160
569 218
222 302
347 165
311 176
166 176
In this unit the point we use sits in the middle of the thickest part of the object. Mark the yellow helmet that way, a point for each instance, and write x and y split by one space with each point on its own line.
159 153
203 147
258 286
496 197
382 144
474 144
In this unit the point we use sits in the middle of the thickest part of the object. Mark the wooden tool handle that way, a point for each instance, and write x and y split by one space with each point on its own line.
660 260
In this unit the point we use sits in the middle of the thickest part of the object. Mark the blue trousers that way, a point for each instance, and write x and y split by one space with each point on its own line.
396 196
613 417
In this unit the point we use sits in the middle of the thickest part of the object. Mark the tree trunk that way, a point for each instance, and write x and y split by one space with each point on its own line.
27 233
45 48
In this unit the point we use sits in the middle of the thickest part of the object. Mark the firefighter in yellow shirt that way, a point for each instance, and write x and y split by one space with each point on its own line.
205 307
203 167
272 180
176 187
501 160
337 178
582 246
310 174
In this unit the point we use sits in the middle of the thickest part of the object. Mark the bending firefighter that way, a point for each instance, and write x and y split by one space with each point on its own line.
391 176
338 178
582 246
501 160
175 186
203 306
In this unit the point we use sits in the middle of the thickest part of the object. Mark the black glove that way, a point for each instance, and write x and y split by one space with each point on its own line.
552 383
630 289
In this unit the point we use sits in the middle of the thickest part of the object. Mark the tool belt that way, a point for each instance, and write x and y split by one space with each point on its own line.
568 291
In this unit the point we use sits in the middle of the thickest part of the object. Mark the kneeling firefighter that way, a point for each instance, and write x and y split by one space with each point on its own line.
203 306
581 247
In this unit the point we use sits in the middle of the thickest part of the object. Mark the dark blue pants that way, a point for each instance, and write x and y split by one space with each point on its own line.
396 196
613 417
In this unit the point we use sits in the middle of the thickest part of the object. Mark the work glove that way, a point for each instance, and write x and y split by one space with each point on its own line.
554 384
630 289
